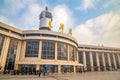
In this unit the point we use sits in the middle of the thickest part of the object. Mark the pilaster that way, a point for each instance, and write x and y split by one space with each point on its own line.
40 50
59 69
109 61
68 53
114 61
74 68
23 50
84 60
103 59
55 51
4 52
97 58
17 55
91 61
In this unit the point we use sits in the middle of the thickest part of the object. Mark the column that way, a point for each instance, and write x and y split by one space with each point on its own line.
23 50
103 59
55 51
84 60
4 52
97 58
114 60
68 53
17 55
16 67
109 62
119 59
59 69
91 61
40 50
37 67
74 68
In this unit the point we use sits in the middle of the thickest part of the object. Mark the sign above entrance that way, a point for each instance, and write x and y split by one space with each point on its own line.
48 66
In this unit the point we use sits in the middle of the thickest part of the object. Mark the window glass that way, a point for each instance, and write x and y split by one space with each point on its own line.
48 50
32 48
62 51
80 55
11 54
88 61
72 53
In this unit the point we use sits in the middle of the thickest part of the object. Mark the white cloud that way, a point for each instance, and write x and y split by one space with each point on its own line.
5 20
87 4
30 19
112 4
62 14
15 6
104 29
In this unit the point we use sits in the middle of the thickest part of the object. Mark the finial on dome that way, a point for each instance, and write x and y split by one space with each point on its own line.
46 8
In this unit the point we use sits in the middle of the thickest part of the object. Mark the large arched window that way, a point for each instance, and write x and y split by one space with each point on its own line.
72 53
80 55
106 61
48 50
94 60
62 51
11 55
32 48
87 54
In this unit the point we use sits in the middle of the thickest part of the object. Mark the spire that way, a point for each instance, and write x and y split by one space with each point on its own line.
46 8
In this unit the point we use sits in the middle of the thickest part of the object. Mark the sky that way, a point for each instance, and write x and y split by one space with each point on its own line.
94 22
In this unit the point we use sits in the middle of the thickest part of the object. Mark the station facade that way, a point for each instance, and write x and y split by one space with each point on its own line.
31 50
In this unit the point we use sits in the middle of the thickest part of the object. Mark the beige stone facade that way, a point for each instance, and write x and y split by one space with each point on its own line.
64 56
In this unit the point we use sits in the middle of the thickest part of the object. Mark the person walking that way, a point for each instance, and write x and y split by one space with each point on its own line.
39 72
44 72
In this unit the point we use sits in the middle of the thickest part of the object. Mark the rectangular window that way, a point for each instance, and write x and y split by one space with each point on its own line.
62 51
80 55
72 53
88 61
32 48
11 54
48 50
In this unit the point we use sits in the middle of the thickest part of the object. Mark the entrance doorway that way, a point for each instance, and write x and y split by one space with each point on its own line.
66 68
49 68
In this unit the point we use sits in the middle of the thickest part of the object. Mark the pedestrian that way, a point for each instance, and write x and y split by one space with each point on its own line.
44 72
39 72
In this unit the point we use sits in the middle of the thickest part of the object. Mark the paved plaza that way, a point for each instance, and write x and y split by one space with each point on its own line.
108 75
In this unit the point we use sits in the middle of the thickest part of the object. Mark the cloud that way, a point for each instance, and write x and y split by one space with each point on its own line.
104 29
15 6
24 14
5 20
87 4
62 14
30 18
111 4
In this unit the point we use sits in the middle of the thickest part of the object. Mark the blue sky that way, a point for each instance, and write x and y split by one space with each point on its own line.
93 21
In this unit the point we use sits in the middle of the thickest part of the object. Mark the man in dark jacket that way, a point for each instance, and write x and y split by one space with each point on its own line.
39 72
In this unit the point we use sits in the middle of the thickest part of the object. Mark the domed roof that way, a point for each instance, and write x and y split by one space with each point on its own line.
46 14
